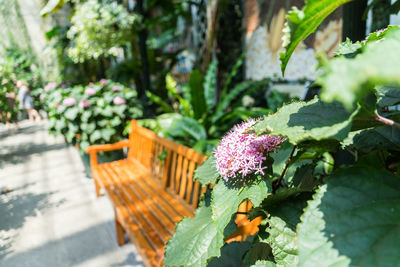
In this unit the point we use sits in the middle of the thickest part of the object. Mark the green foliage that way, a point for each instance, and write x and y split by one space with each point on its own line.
190 233
99 29
206 119
352 219
317 209
301 23
314 120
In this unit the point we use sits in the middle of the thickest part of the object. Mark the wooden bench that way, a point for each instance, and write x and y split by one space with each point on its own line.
153 189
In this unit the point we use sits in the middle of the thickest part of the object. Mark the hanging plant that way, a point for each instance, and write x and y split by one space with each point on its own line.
100 29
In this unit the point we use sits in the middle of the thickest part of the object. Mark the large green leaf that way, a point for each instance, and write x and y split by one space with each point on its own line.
354 219
384 137
195 241
187 127
226 199
313 120
197 94
301 23
349 80
207 172
282 231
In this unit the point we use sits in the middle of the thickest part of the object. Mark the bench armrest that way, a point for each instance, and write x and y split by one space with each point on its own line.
107 147
94 149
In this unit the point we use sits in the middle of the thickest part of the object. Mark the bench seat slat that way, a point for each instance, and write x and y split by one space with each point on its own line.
122 215
141 209
152 204
171 208
135 216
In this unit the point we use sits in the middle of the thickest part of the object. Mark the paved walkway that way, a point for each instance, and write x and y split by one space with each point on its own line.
49 215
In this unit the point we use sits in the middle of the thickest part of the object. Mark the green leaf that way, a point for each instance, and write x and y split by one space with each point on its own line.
280 158
348 48
282 231
349 80
187 127
195 241
388 96
366 141
171 86
165 107
197 94
233 94
210 84
71 113
96 135
207 172
301 23
52 6
107 111
354 219
107 133
260 254
231 255
226 199
313 120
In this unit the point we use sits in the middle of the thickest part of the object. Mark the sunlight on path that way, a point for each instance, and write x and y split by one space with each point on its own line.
49 215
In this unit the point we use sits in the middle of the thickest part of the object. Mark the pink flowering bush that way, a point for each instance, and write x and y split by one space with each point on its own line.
241 153
94 114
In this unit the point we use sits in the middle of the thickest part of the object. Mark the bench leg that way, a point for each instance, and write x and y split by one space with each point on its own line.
119 230
97 188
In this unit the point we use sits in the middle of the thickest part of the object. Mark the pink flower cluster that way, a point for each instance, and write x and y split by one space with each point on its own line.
118 100
90 91
50 86
116 88
69 101
241 153
103 81
84 103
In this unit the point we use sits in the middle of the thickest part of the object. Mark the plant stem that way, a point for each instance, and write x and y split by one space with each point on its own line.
278 182
386 121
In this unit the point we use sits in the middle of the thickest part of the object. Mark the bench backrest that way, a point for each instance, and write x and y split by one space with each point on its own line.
172 164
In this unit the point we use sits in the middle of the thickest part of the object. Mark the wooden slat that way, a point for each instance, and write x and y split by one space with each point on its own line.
155 187
182 189
154 217
155 204
135 211
173 171
189 193
167 169
196 195
177 177
143 245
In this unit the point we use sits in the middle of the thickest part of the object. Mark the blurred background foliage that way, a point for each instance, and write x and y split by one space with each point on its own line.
185 59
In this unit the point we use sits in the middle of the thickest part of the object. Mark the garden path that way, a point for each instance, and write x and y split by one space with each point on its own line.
49 215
